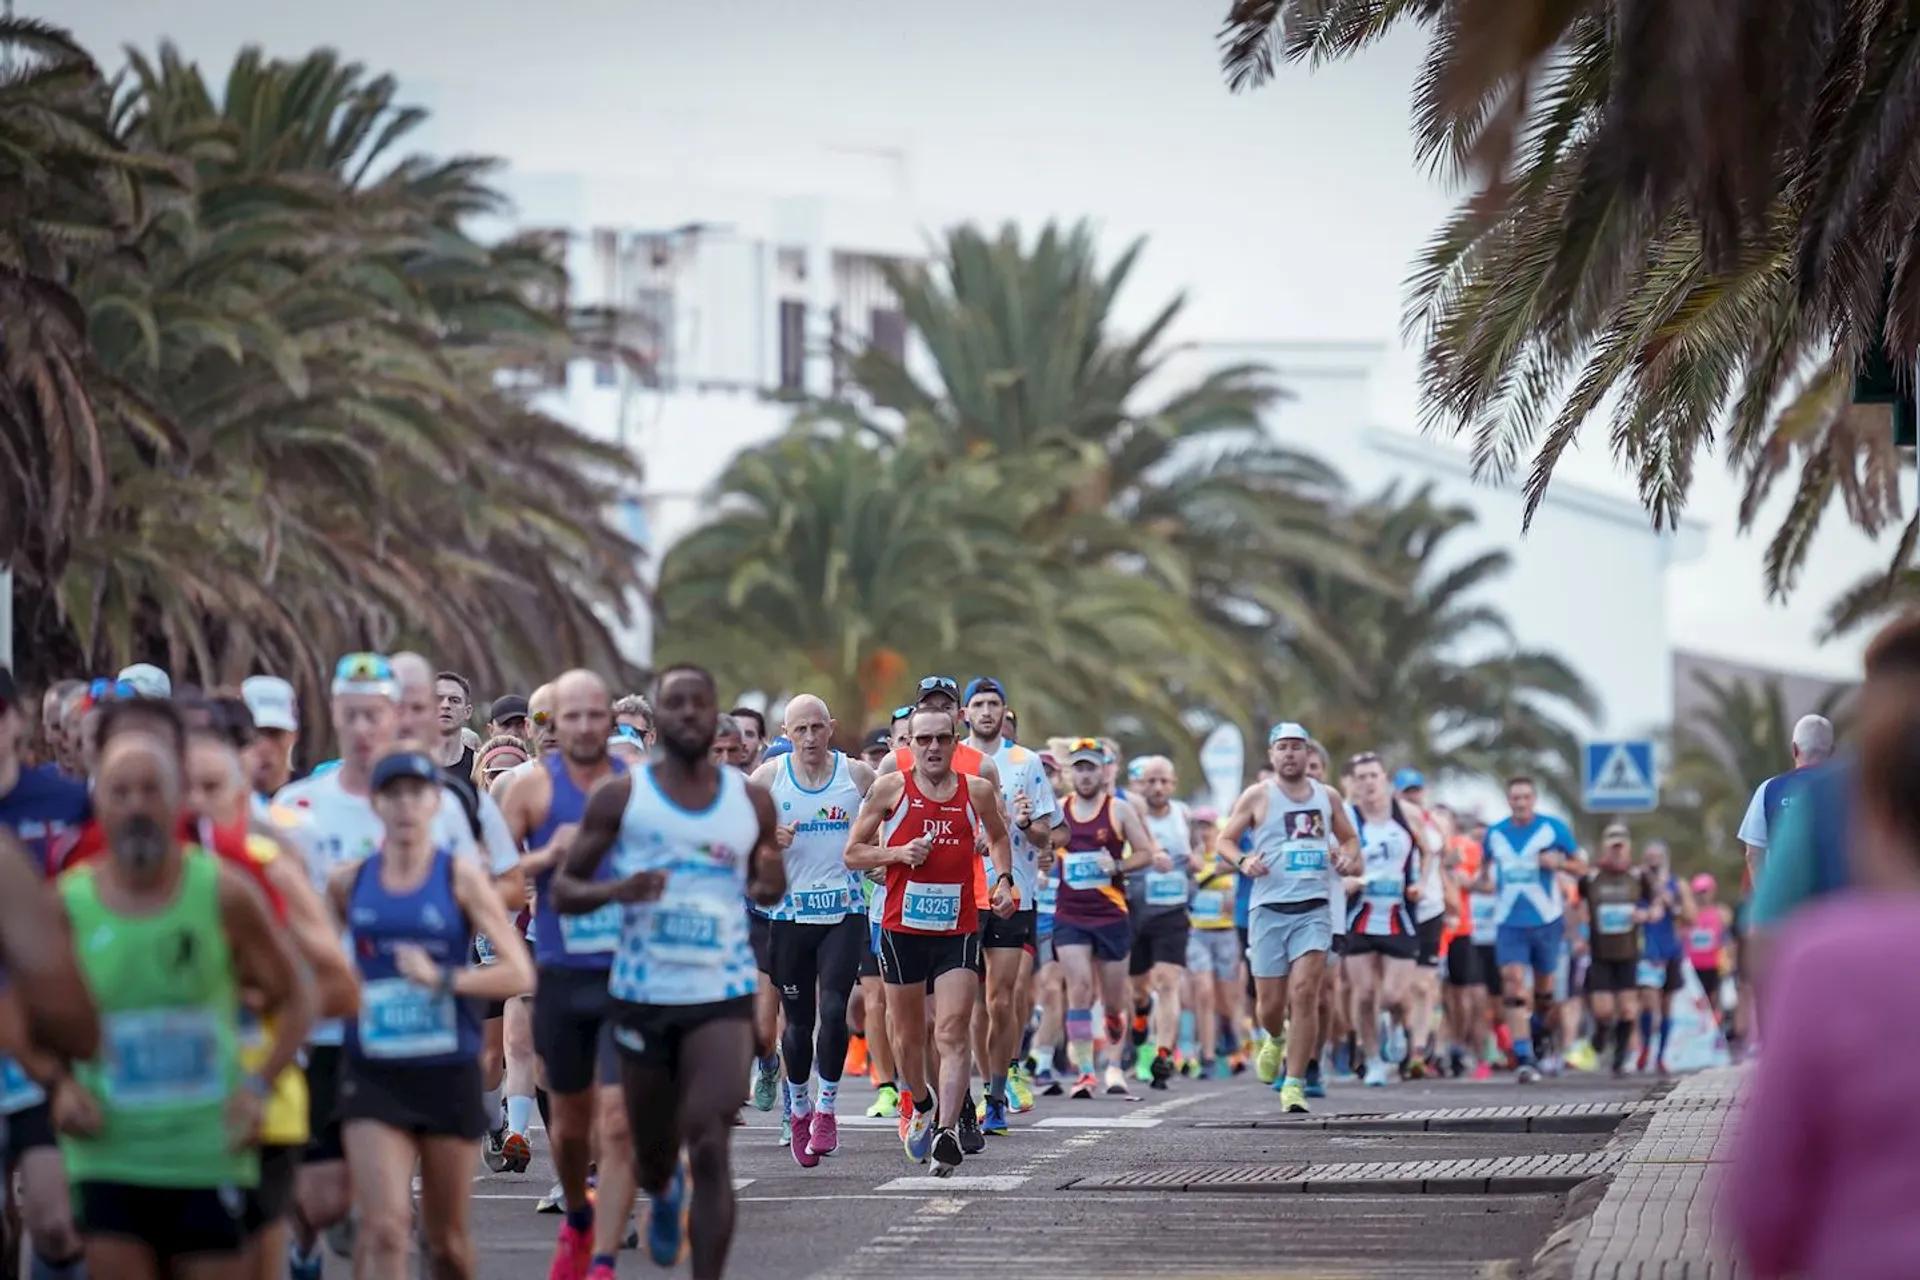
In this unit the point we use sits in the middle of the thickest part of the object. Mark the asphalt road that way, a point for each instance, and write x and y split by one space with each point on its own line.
1013 1211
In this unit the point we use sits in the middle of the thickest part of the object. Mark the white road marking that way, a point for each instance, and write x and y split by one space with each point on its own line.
959 1184
1096 1122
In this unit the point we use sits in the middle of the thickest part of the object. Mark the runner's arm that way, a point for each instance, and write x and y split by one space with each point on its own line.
1142 848
862 775
1346 842
986 802
55 1004
575 888
264 961
1249 809
502 852
766 869
864 852
511 973
336 990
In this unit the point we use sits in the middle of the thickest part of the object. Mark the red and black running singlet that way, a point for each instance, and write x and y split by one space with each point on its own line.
937 896
1089 895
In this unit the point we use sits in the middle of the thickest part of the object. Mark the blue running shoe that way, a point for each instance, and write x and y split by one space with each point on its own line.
918 1139
1316 1086
667 1224
996 1121
302 1266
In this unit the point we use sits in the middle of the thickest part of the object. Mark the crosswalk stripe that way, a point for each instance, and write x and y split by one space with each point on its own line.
960 1184
1097 1122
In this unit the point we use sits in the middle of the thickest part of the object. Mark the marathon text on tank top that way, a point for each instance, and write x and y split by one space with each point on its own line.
570 942
1295 840
690 946
937 896
820 889
1089 895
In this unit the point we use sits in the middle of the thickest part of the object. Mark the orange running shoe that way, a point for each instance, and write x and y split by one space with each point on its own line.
856 1064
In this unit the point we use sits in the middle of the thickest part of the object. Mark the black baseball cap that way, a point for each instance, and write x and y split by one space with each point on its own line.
511 707
878 739
931 686
404 764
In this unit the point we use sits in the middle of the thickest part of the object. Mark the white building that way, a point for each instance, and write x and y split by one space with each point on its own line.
742 295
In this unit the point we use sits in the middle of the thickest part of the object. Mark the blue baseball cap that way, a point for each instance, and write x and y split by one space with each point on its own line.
1409 780
404 764
983 684
777 747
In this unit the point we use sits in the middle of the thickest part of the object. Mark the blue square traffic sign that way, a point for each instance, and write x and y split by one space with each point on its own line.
1618 777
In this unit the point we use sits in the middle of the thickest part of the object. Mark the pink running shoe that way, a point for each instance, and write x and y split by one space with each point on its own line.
1481 1071
572 1253
825 1135
603 1271
802 1135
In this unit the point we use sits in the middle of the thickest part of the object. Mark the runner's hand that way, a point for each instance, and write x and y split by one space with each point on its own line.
783 838
1346 864
1254 865
415 965
1043 858
1161 862
1002 901
243 1119
1022 809
915 851
641 886
1413 893
75 1113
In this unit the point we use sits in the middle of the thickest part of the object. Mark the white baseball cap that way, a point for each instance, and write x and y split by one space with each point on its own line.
148 680
272 702
1288 729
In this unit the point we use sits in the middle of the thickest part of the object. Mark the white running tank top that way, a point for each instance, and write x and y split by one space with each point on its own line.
820 889
690 947
1295 840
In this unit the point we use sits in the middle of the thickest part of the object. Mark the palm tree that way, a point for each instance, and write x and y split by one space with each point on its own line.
337 350
1691 217
1436 679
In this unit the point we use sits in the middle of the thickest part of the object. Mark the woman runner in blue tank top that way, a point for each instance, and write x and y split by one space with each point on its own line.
410 1089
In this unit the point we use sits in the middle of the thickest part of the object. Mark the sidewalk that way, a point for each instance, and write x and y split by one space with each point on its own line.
1657 1220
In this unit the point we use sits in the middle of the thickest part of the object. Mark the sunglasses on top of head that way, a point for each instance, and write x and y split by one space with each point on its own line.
941 684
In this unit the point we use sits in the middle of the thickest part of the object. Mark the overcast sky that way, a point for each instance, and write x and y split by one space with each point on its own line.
1290 212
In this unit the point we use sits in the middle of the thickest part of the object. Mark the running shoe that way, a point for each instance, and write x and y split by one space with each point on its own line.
766 1082
996 1120
948 1151
1293 1099
1342 1059
572 1253
972 1141
1053 1087
1376 1074
1266 1067
1019 1092
885 1103
855 1064
1143 1063
1527 1074
1582 1057
1083 1087
1396 1045
1315 1086
786 1131
919 1138
667 1223
1160 1069
799 1133
1116 1080
1456 1063
823 1139
517 1152
1482 1071
603 1271
493 1150
302 1266
551 1202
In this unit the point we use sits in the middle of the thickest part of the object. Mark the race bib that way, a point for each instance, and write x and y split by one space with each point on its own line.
1386 889
1702 940
18 1090
1083 871
1651 973
824 905
162 1058
933 907
1166 889
1486 925
1209 904
1047 897
690 933
1613 917
401 1019
595 933
1304 856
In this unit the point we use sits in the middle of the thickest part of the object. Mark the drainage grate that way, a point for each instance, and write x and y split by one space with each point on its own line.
1513 1175
1574 1117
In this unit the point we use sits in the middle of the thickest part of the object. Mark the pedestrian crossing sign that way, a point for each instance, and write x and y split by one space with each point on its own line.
1618 777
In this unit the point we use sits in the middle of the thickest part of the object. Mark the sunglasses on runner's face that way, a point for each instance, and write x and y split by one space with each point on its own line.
932 739
363 666
541 719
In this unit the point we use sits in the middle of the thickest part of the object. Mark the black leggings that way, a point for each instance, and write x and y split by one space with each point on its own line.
816 967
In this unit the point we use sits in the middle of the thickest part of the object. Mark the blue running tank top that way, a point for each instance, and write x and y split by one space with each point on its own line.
401 1023
570 942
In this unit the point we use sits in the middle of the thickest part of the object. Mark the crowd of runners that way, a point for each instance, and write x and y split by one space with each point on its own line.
249 1017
